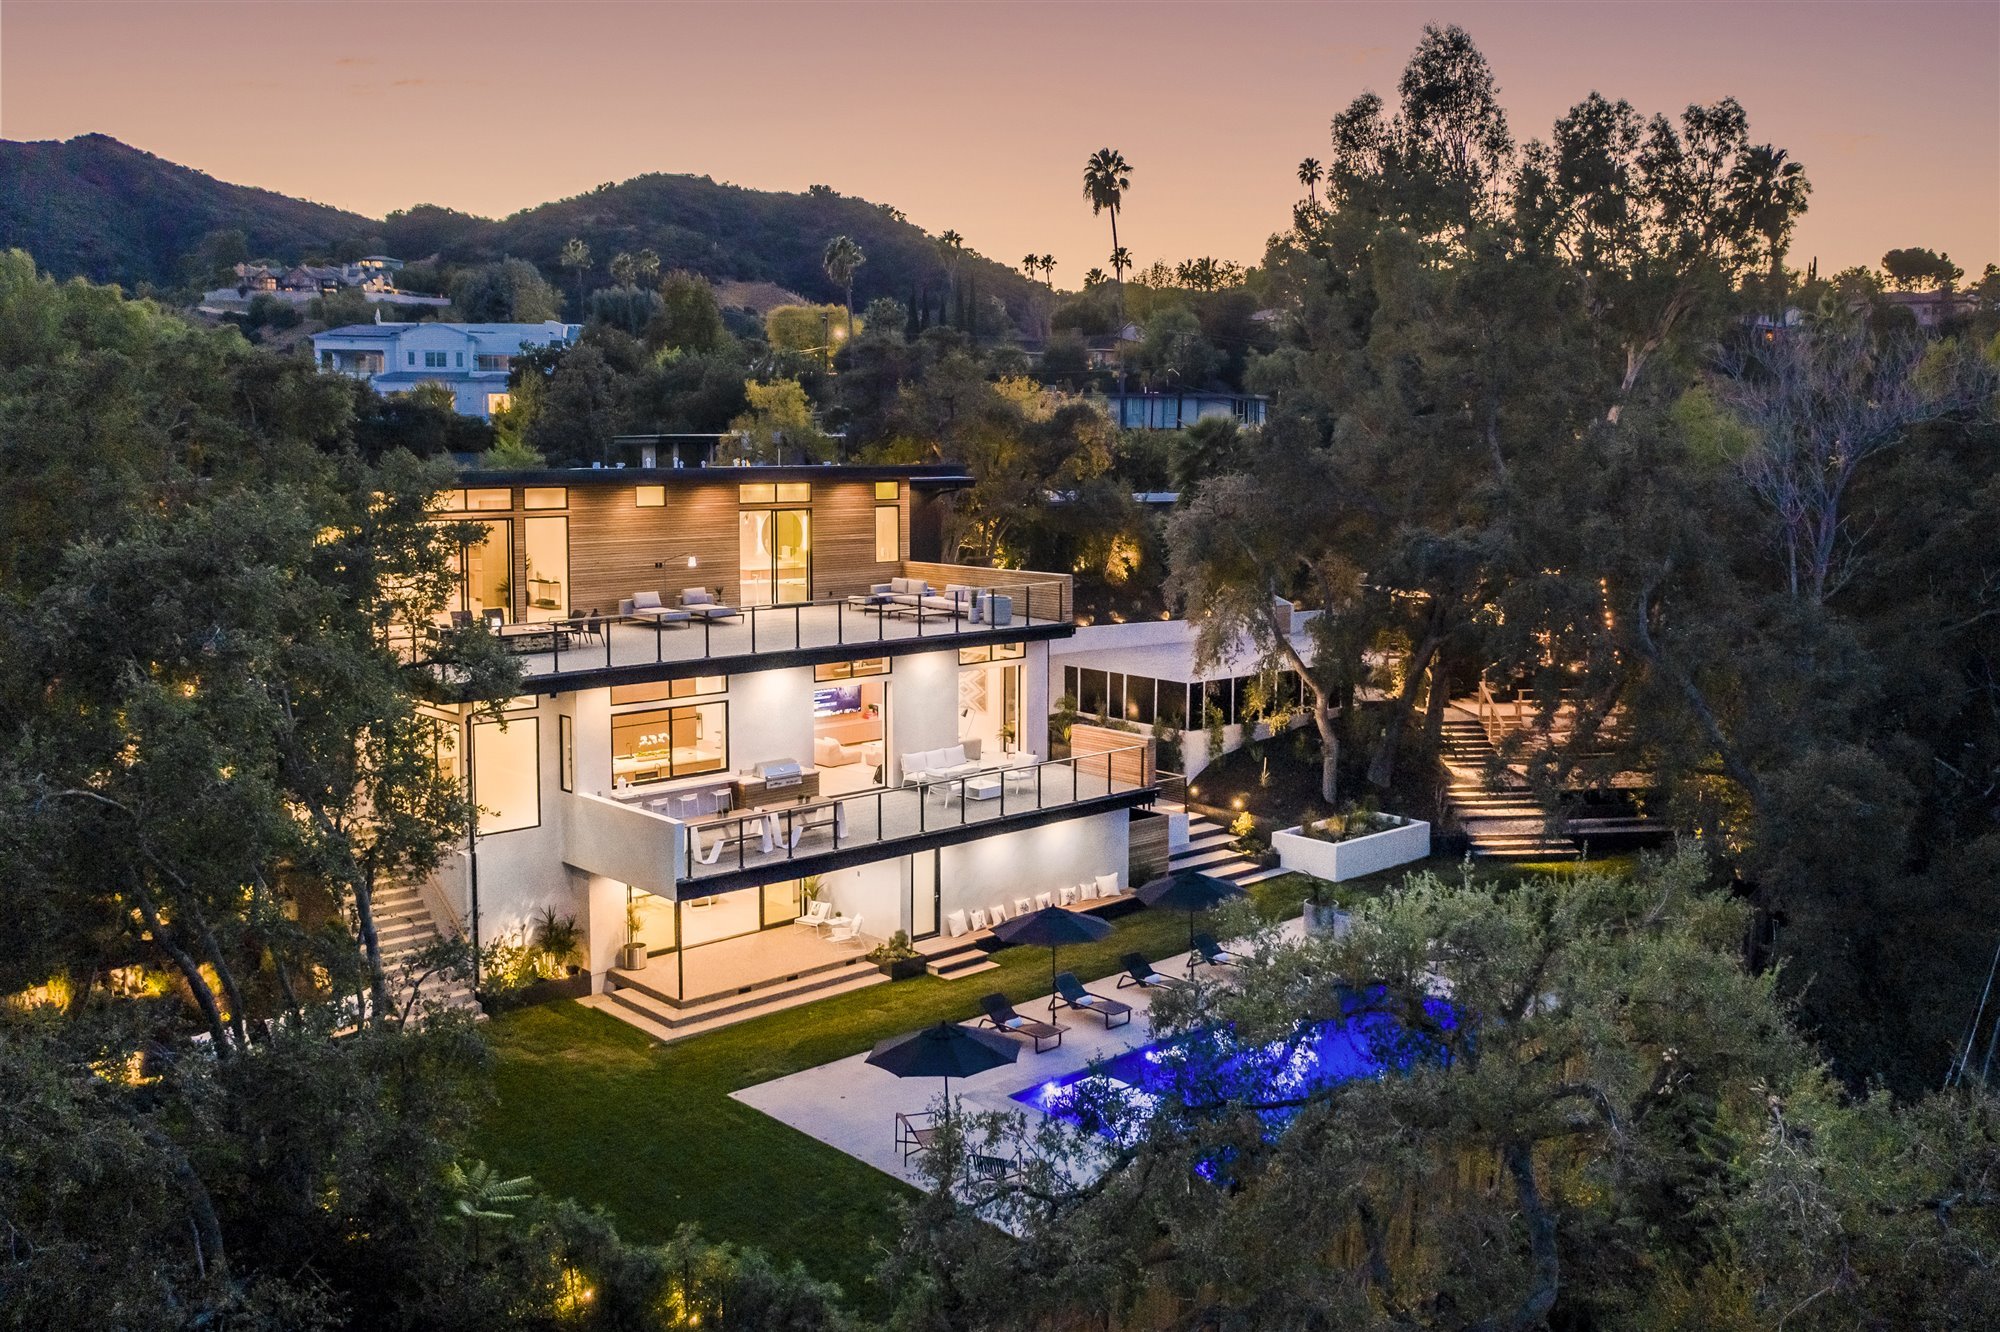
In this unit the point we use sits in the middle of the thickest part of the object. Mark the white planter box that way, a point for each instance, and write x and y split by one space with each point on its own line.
1338 861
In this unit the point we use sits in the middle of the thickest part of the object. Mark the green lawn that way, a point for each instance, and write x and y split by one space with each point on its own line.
596 1110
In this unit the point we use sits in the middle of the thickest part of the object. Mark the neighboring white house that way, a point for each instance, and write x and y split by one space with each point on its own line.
472 360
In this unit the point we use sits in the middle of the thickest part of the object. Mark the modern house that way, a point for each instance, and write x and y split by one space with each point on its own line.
1180 409
472 360
752 695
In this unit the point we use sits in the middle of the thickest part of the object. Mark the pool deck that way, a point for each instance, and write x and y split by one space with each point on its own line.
852 1106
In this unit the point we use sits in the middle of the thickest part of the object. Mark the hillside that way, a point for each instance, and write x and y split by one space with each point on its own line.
96 207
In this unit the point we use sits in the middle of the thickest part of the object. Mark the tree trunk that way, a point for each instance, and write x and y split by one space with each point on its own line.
204 994
1329 739
1382 767
1534 1307
1435 705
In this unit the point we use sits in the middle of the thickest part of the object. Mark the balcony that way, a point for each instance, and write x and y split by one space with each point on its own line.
607 649
630 840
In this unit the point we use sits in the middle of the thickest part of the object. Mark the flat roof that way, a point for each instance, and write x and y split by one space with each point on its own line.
1170 660
928 474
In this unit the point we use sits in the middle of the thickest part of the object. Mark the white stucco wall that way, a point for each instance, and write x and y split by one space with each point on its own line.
1032 861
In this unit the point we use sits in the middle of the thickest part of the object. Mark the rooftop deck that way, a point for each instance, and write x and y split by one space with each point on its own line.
834 627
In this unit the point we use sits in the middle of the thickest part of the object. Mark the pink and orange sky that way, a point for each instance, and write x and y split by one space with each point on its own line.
978 116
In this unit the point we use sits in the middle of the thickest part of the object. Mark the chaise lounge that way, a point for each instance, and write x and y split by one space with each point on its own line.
701 603
1070 991
1212 954
1002 1016
1138 971
645 608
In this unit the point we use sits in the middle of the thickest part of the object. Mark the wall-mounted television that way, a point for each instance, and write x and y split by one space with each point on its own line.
836 700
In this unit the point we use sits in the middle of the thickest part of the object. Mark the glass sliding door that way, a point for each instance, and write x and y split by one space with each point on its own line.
774 549
545 546
489 575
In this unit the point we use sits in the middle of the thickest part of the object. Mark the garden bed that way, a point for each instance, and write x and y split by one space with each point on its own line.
1370 853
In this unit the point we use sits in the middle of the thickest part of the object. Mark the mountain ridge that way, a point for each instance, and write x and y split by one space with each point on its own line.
92 206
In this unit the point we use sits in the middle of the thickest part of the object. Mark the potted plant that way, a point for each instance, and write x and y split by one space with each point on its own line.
896 959
1007 737
1323 912
632 957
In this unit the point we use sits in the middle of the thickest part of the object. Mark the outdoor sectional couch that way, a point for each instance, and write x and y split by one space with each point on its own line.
941 765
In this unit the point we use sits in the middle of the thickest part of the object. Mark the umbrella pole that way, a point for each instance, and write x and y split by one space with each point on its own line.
1052 985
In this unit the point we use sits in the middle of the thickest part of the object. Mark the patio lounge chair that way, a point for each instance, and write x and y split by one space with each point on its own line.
701 603
1212 954
818 914
645 608
1138 971
915 1131
841 929
1002 1016
1071 992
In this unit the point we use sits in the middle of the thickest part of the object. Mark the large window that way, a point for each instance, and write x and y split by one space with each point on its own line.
545 547
888 536
775 555
972 656
487 572
661 743
506 774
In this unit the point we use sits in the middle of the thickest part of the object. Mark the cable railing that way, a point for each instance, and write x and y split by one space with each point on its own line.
757 838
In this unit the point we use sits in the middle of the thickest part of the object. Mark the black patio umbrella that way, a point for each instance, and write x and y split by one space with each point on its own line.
946 1051
1189 891
1053 926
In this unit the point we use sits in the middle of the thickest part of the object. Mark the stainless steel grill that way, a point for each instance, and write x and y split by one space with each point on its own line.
777 773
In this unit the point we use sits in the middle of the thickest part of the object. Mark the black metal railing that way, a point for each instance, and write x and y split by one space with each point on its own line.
600 641
755 838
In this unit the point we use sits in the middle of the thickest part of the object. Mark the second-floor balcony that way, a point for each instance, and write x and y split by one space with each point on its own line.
637 642
634 838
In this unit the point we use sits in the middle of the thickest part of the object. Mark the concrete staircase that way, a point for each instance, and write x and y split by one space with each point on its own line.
1502 821
403 924
630 999
1208 851
952 958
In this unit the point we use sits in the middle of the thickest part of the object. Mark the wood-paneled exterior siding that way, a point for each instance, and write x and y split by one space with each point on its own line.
615 545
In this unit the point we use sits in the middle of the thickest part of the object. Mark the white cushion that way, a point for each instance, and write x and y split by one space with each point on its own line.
1066 896
1107 885
952 757
999 912
645 600
1087 890
913 764
954 924
1022 906
978 920
1043 901
696 596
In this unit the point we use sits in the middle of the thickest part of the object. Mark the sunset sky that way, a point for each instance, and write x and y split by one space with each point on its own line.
979 116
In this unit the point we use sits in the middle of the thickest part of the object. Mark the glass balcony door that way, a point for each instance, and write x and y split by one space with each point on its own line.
774 549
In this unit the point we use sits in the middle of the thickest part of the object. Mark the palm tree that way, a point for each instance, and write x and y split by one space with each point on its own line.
576 258
1121 259
1048 267
1310 175
1106 177
951 249
842 257
624 269
1032 264
1093 276
647 262
478 1194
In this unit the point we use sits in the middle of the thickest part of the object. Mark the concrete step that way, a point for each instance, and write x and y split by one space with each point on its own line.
685 1023
969 966
1201 860
806 983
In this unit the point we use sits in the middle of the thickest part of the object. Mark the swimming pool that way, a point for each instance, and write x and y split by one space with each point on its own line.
1211 1068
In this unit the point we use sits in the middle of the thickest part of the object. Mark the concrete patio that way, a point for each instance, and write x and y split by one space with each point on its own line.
851 1105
